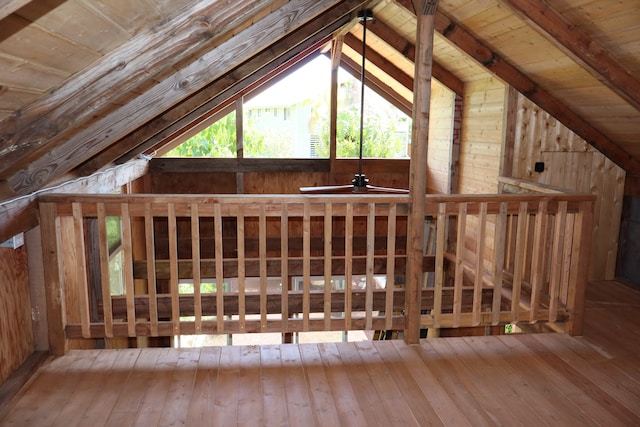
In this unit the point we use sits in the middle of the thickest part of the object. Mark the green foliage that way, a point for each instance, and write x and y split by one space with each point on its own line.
381 132
380 127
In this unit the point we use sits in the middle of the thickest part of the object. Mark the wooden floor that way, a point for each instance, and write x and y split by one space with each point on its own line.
533 380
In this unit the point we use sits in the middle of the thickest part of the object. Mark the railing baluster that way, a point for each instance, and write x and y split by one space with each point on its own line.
128 269
519 261
103 253
262 244
459 267
284 265
173 268
81 269
391 264
195 263
328 252
370 283
348 268
557 260
537 264
151 269
436 312
217 235
479 274
241 270
306 265
499 262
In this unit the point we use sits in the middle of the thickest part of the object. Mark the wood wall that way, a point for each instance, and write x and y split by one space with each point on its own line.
482 135
16 336
440 137
571 163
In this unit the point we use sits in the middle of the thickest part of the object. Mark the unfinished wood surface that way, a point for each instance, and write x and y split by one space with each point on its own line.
574 165
523 380
16 340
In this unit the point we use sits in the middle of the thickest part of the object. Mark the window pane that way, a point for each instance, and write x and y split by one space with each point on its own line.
218 140
286 119
387 130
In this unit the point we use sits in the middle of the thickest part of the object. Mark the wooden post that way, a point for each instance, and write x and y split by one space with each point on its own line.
50 230
425 11
336 53
581 249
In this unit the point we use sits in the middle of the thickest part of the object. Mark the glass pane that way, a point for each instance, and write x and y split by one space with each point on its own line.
386 130
218 140
286 119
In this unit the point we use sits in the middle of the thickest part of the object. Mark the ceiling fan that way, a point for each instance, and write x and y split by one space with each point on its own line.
360 183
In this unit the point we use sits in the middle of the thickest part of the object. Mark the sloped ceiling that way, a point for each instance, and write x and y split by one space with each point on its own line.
85 83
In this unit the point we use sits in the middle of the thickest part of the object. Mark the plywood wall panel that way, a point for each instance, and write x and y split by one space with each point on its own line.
16 337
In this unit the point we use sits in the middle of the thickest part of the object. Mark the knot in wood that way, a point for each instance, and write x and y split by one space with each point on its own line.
121 65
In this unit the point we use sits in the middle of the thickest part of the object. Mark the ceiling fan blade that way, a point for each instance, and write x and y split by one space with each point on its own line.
327 189
389 190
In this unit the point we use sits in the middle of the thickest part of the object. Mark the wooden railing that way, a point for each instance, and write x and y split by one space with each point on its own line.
143 265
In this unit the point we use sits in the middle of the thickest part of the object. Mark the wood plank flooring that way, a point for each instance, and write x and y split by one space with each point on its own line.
514 380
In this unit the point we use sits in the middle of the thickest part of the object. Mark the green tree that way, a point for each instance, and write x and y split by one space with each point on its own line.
219 140
380 127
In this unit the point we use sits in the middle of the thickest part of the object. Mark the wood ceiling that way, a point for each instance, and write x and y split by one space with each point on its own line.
86 83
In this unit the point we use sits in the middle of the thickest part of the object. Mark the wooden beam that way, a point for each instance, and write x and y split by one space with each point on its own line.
195 165
45 124
374 83
198 110
406 48
418 166
21 214
168 91
274 302
579 46
274 267
476 49
380 61
7 7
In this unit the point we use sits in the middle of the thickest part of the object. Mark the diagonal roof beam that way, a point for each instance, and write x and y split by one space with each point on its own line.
7 7
207 99
153 54
476 49
406 48
579 46
380 61
386 92
109 128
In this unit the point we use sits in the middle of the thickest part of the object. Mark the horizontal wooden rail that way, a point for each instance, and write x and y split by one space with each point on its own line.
295 267
295 301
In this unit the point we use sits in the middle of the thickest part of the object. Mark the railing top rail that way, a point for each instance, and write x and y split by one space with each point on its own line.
206 199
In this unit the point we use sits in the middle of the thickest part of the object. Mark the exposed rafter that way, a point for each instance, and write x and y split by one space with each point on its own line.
48 124
478 50
277 58
7 7
171 89
406 48
582 48
381 62
386 92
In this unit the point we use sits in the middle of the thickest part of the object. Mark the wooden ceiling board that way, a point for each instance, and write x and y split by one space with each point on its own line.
11 99
133 16
20 74
77 22
35 44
